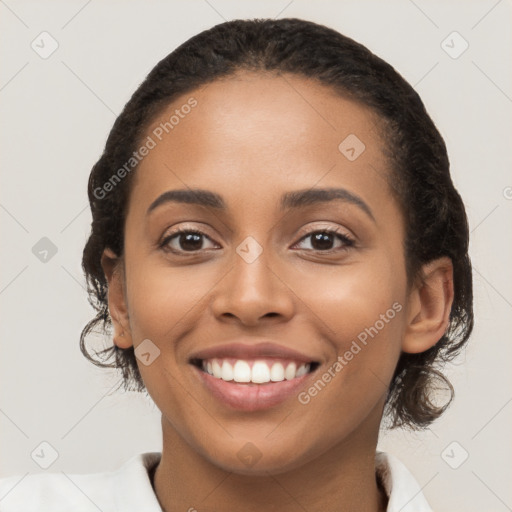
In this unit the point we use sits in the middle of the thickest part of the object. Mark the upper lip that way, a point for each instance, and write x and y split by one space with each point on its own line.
250 351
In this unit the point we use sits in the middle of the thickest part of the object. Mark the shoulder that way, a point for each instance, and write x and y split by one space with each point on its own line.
404 492
125 489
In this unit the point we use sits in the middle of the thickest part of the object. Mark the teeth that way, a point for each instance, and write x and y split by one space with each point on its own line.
216 369
260 373
289 373
277 372
241 371
227 371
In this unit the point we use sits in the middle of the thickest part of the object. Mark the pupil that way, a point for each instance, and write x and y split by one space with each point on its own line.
323 240
187 241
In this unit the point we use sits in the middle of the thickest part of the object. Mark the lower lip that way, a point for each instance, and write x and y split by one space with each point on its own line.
250 396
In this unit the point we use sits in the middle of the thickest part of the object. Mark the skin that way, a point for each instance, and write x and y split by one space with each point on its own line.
251 138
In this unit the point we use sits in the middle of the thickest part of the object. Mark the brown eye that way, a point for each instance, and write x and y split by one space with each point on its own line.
323 240
184 241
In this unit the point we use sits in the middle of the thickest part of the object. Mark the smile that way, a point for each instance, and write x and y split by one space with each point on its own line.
252 384
259 371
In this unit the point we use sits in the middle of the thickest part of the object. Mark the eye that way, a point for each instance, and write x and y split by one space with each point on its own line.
184 240
192 240
322 240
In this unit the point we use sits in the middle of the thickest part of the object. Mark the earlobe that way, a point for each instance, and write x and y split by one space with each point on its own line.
112 267
430 304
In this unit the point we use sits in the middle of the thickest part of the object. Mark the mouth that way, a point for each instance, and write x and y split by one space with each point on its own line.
252 384
254 371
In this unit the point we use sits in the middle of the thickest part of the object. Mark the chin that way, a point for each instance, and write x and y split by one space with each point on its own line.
247 459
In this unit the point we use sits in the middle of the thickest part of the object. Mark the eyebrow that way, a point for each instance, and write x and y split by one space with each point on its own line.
289 200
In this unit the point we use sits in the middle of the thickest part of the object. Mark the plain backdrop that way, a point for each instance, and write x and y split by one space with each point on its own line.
56 113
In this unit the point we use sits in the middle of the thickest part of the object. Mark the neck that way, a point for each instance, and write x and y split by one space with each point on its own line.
343 478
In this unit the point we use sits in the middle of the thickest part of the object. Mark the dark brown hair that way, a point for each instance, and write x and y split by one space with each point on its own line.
436 223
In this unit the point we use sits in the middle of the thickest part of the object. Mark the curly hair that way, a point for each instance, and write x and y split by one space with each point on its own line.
436 222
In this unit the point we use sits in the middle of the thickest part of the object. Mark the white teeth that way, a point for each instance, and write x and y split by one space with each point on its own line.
260 373
289 373
227 371
216 369
277 372
241 371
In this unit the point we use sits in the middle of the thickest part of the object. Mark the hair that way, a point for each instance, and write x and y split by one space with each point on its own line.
435 219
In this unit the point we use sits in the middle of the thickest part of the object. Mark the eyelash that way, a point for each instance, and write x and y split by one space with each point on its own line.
347 241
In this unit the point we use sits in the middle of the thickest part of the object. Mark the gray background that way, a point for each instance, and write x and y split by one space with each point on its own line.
56 113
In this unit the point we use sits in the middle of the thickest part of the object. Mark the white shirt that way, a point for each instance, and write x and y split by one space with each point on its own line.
129 489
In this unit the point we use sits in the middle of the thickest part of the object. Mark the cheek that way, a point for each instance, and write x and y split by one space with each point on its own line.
165 305
348 299
359 311
161 298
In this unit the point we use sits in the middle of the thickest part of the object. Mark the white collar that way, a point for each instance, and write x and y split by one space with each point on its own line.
403 491
129 489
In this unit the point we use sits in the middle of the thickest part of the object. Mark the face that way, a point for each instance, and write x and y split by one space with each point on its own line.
316 278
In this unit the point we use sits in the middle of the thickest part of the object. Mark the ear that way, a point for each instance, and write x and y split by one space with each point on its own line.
112 267
429 306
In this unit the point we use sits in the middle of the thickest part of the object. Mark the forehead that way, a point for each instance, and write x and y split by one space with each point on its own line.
255 133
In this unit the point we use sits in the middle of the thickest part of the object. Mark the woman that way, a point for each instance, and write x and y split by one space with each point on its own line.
280 250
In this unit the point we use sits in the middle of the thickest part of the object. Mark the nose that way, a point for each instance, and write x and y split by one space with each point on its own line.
253 291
